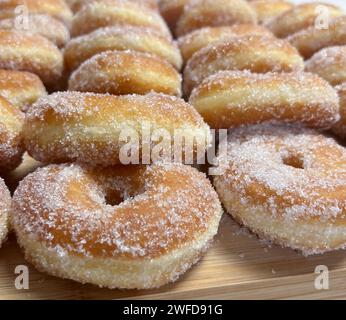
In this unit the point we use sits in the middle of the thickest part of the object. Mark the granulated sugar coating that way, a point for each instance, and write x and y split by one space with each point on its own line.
5 205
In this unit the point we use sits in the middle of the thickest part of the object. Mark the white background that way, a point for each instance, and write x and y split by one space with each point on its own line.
340 3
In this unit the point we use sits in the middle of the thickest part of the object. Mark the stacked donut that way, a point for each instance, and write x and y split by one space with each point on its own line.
87 214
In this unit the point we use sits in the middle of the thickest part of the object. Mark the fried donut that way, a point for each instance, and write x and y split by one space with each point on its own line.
70 126
120 38
20 88
32 53
230 99
330 64
301 17
116 12
5 206
340 127
201 38
286 184
11 136
42 24
255 53
157 221
312 40
171 10
55 8
268 10
214 13
125 72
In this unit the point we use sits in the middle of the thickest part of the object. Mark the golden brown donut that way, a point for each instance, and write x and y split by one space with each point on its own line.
340 127
268 10
230 99
286 184
330 64
42 24
120 38
20 88
312 40
214 13
201 38
255 53
55 8
125 72
91 128
171 10
157 221
11 136
5 207
301 17
116 12
32 53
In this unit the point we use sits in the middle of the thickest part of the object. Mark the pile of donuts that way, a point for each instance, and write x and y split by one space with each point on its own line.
76 73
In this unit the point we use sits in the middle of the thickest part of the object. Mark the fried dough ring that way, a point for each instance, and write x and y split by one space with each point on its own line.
288 185
214 13
340 127
167 217
5 206
125 72
230 99
255 53
268 10
201 38
70 126
171 10
120 38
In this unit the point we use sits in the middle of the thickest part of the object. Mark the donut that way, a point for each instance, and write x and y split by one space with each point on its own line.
157 221
340 127
201 38
32 53
116 12
171 10
255 53
11 136
55 8
330 64
301 17
268 10
311 40
286 184
120 38
5 206
230 99
214 13
90 128
125 72
42 24
20 88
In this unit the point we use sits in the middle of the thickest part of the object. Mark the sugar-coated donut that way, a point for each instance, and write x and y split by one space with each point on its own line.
340 127
259 54
11 136
70 126
32 53
213 13
268 10
230 99
311 40
171 10
55 8
201 38
42 24
126 72
116 12
124 227
5 206
286 184
120 38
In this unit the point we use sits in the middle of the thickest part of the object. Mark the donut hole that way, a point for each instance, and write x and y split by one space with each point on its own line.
114 198
293 160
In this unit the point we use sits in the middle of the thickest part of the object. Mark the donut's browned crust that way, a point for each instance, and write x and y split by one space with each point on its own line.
5 206
268 10
126 72
214 13
311 40
70 126
255 53
230 99
32 53
288 185
166 218
201 38
20 88
340 127
120 38
171 10
116 12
